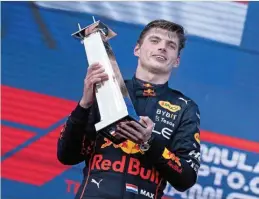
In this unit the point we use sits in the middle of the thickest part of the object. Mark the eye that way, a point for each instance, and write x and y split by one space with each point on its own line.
154 41
172 46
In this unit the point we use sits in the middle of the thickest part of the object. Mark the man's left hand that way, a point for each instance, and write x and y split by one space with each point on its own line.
133 131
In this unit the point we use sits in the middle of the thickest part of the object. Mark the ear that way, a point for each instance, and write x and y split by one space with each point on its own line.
136 50
177 62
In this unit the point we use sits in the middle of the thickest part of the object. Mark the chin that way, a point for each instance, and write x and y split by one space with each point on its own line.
158 69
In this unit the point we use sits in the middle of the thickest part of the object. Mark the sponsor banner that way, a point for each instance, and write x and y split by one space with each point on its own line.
225 173
219 21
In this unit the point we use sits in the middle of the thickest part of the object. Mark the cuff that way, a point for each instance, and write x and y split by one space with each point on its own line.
80 114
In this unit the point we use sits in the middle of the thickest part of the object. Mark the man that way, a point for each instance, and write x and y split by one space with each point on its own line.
167 149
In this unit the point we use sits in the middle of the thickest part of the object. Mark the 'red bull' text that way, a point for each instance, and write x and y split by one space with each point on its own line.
133 168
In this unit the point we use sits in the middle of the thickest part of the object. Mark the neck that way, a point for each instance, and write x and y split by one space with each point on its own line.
153 78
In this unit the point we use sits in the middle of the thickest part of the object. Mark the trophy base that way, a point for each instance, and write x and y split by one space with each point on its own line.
107 128
110 130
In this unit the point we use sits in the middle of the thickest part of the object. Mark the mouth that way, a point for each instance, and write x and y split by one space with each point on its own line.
160 57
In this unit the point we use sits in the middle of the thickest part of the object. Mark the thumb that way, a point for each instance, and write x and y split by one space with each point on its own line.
147 120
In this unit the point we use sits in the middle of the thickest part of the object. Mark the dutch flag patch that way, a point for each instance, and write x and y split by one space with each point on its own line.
131 188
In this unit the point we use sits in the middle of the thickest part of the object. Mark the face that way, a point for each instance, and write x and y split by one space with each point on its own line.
158 51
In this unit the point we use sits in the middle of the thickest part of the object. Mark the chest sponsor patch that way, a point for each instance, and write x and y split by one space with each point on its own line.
170 107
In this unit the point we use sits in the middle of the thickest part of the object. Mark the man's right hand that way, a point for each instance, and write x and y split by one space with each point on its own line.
95 74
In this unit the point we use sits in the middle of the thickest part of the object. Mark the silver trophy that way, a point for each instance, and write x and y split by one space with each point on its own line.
112 96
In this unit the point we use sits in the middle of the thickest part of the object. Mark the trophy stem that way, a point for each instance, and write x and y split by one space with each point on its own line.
110 110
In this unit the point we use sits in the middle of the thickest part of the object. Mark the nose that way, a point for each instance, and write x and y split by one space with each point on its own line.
162 46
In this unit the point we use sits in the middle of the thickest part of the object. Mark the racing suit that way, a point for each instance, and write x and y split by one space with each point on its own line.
123 171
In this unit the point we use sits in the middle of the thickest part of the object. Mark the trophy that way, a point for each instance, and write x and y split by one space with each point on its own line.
112 96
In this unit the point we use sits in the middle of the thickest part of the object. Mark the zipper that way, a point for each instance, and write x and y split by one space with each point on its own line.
145 113
145 110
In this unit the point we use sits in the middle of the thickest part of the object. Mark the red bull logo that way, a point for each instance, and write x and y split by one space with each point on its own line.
171 156
128 146
197 137
149 92
147 85
133 167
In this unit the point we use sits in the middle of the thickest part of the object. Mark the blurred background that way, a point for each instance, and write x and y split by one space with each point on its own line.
43 69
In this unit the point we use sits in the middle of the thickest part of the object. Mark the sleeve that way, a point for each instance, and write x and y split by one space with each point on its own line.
180 161
76 140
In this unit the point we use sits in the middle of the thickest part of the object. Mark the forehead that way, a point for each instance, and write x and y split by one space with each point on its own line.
163 34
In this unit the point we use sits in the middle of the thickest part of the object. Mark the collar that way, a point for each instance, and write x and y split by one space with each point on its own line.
146 89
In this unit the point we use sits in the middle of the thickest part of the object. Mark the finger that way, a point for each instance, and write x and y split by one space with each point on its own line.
97 71
140 129
143 123
94 71
90 83
139 135
137 126
118 135
125 126
94 66
91 69
98 78
147 120
99 74
127 135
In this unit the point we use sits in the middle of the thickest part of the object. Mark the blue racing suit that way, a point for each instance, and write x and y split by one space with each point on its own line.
123 171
